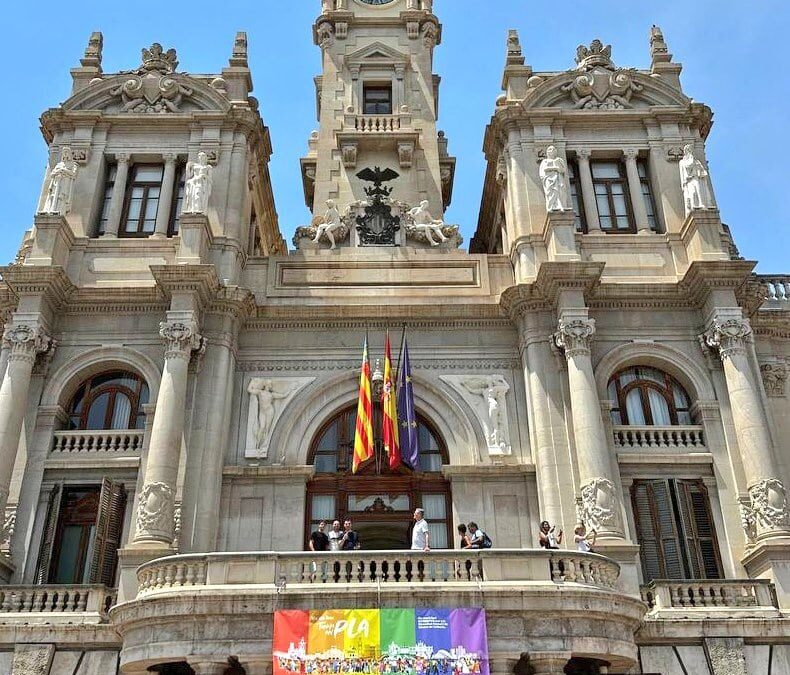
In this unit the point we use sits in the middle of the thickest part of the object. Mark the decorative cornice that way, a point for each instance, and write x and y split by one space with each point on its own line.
322 365
51 282
554 277
199 279
704 276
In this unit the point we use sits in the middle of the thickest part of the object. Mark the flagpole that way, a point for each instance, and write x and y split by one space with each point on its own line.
400 354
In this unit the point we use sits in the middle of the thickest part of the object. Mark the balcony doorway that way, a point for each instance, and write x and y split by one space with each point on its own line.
379 501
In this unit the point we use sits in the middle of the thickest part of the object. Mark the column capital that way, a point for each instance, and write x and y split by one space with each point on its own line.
631 153
26 341
170 157
123 157
728 337
583 154
182 338
549 663
574 336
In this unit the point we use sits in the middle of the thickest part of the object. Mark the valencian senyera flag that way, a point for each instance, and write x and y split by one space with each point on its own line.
390 410
407 415
381 642
363 437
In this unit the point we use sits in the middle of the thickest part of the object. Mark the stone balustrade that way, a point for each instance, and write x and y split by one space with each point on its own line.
381 569
55 599
381 124
127 441
659 438
777 289
709 597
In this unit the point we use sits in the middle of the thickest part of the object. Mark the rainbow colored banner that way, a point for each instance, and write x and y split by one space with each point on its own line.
381 642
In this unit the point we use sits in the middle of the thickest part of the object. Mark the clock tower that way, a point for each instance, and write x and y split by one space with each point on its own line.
377 103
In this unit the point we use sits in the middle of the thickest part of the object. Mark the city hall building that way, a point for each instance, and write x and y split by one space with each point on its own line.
180 384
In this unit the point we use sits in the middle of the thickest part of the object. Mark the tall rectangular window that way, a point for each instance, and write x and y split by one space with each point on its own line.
576 200
647 195
82 534
377 99
611 195
675 530
142 200
109 186
178 201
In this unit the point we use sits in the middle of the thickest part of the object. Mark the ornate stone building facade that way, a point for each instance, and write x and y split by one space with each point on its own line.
178 389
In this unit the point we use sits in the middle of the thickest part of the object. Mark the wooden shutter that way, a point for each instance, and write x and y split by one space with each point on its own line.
107 539
660 547
50 530
702 548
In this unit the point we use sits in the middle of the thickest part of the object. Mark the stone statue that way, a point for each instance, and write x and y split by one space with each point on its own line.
266 396
200 176
493 390
694 179
61 184
554 176
424 223
332 223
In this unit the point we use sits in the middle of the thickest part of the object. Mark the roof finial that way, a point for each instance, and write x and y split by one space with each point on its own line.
595 55
93 52
239 56
659 52
515 56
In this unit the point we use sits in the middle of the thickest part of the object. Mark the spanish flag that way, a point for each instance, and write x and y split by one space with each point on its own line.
363 439
390 409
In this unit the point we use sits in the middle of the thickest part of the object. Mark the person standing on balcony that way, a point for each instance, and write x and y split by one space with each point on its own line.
462 532
584 541
547 538
319 541
350 539
420 535
334 536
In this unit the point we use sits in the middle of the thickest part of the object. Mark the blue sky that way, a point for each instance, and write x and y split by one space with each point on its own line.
734 56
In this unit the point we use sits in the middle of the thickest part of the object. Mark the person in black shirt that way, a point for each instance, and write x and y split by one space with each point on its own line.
350 540
318 539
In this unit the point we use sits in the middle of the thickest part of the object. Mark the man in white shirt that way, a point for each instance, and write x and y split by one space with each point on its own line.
420 536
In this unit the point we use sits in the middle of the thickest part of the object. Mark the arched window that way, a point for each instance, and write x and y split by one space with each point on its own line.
379 501
110 400
647 396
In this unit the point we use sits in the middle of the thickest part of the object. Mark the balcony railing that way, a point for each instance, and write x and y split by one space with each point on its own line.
777 290
126 441
377 124
659 438
66 600
710 597
377 569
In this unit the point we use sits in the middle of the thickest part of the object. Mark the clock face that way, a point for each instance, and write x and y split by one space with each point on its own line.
376 2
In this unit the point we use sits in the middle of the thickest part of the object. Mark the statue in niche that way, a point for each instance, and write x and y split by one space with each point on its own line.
197 191
266 395
425 224
694 179
332 224
554 176
493 391
61 184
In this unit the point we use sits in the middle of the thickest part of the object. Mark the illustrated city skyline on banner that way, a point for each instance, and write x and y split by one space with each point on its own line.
421 641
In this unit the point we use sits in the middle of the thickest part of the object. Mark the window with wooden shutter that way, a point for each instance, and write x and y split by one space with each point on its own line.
48 540
675 530
109 526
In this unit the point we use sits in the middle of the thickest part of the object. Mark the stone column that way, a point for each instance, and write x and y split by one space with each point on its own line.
238 184
25 342
599 506
549 663
588 191
166 196
157 498
635 189
767 515
118 193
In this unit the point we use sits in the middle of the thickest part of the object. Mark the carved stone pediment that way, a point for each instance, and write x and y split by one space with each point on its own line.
154 87
600 85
